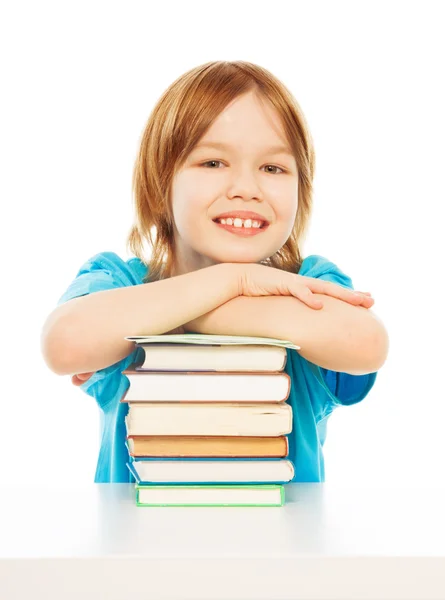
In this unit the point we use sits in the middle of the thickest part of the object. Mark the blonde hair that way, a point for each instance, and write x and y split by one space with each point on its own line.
180 118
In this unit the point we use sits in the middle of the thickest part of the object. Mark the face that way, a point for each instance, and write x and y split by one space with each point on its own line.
245 171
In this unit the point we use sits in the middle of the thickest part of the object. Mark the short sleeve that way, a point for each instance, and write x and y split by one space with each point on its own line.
104 271
342 388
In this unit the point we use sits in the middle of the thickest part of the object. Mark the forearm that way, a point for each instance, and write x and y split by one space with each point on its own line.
87 333
339 337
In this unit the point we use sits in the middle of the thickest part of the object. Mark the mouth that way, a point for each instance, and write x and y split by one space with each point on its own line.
242 219
241 227
245 218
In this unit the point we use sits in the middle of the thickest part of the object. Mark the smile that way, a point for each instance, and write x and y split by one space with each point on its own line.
242 231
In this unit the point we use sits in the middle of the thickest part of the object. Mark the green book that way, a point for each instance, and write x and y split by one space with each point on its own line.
210 495
210 340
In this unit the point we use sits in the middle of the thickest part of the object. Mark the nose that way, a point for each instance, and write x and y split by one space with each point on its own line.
244 184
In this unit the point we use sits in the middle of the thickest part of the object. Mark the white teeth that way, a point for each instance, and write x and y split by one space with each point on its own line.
237 222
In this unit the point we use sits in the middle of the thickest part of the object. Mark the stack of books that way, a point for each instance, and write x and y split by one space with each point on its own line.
207 421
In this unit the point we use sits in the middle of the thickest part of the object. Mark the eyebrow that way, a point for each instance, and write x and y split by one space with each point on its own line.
220 146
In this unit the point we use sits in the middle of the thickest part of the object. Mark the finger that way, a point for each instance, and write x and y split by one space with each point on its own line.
306 295
366 302
359 300
364 295
80 378
84 376
316 303
337 291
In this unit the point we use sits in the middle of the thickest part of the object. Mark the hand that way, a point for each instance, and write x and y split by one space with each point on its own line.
260 280
80 378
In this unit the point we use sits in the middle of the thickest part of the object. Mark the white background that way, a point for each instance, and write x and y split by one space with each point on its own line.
79 82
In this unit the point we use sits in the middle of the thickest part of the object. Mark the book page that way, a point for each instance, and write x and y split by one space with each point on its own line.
210 340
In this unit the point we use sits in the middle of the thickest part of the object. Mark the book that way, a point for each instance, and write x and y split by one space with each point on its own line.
210 495
205 387
209 339
190 357
207 446
189 351
209 419
201 470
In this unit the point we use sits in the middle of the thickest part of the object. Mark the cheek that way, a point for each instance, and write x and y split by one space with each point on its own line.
191 198
189 210
285 202
183 200
182 217
285 206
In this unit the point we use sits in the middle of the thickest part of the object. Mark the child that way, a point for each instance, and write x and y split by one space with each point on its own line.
226 259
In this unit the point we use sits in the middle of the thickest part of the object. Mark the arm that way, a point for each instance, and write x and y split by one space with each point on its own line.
339 337
87 333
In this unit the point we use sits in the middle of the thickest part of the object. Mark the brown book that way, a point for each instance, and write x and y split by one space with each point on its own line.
193 386
204 446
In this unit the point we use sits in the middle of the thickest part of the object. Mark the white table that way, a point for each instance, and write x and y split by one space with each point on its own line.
328 542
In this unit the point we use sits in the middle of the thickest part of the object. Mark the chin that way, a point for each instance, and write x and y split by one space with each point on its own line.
243 256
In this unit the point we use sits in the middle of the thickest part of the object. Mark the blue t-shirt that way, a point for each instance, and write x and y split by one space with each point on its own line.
315 391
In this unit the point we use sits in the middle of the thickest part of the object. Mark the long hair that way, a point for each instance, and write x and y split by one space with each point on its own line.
180 118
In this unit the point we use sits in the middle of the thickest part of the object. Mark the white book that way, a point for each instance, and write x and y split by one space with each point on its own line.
209 339
205 357
209 419
210 495
212 471
190 386
208 352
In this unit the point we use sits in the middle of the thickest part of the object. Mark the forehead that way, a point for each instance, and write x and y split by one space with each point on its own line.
248 118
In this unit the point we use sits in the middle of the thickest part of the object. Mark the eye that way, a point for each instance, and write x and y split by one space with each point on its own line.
210 161
218 161
275 167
